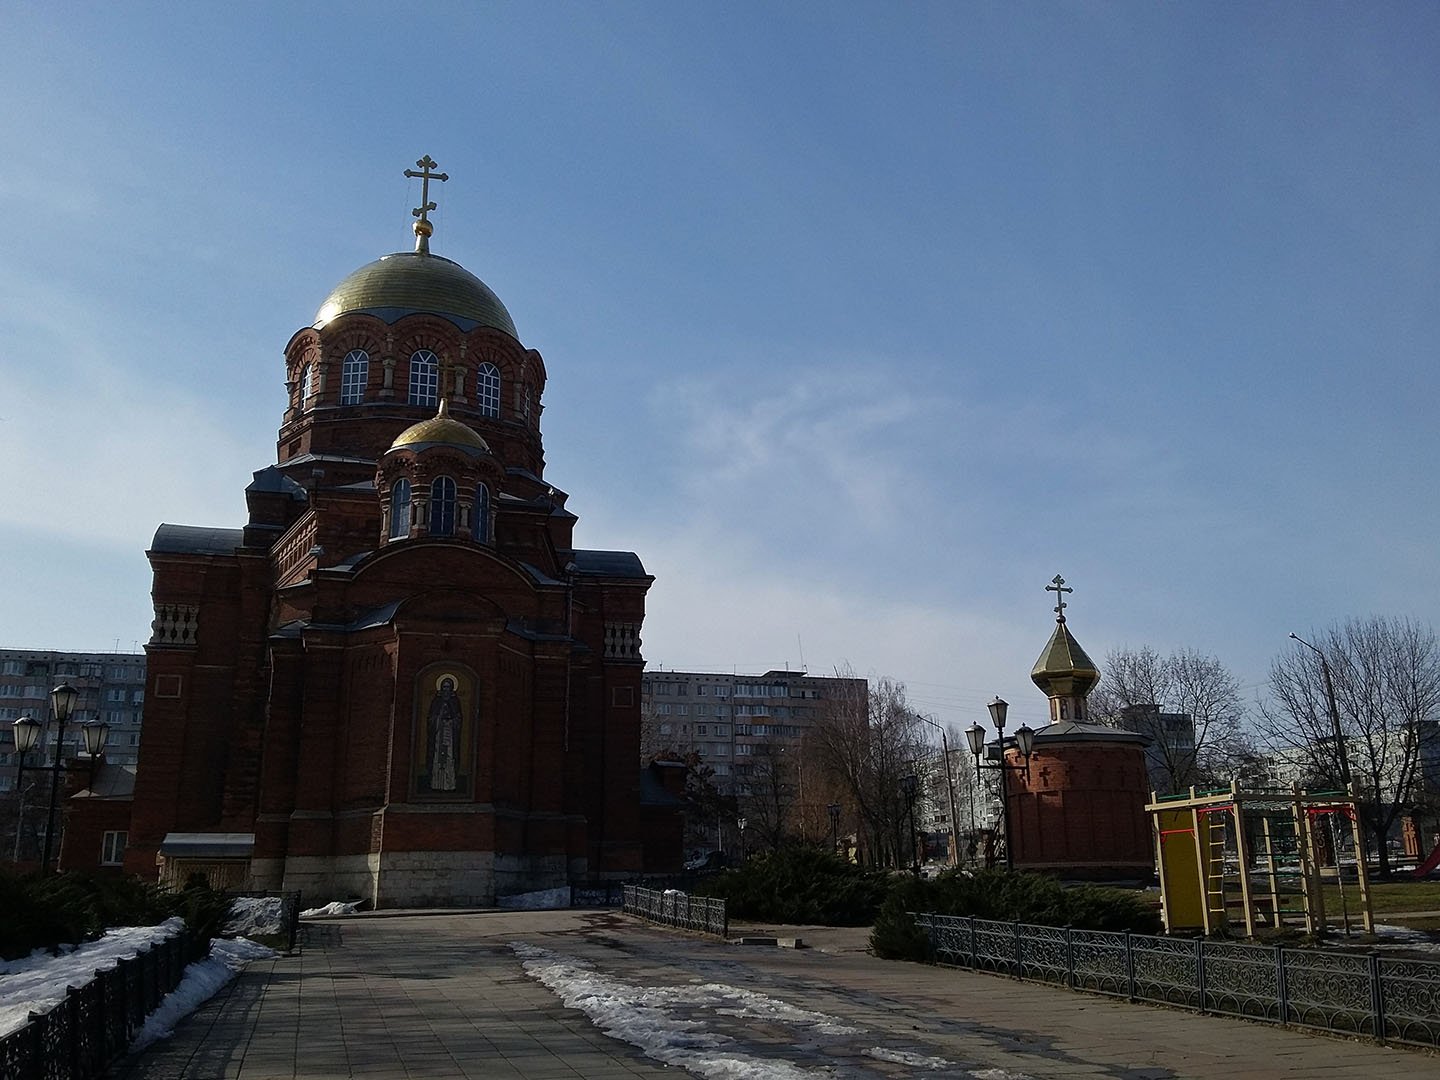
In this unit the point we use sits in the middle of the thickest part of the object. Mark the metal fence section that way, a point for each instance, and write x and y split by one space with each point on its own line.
703 914
81 1036
1389 999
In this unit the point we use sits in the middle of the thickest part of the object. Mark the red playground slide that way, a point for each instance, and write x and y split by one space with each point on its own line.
1429 864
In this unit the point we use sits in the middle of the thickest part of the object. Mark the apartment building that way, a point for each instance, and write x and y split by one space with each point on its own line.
730 720
112 688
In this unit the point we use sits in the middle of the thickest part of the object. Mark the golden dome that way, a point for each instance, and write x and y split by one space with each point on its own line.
441 429
1064 661
413 281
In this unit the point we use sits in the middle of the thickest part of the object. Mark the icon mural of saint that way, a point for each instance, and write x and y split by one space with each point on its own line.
443 728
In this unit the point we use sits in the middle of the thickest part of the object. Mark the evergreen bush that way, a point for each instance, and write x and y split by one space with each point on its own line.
800 885
45 911
1001 894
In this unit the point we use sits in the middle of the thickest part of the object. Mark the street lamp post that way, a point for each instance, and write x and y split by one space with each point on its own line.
950 787
1343 755
834 811
909 784
27 731
1024 741
740 824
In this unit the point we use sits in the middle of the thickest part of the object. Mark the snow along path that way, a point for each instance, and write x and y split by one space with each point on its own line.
39 981
680 1025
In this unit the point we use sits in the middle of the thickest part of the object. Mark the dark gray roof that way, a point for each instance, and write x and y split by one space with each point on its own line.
608 563
194 540
216 845
272 479
1073 731
541 578
349 459
653 791
366 620
111 782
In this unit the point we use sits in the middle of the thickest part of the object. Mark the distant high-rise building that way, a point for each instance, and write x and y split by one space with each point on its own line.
112 689
727 720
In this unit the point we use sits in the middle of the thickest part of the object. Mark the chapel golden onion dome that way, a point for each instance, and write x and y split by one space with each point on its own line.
1064 663
441 430
411 282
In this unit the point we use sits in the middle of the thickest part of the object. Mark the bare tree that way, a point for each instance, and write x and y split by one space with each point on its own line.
1386 678
865 744
1187 703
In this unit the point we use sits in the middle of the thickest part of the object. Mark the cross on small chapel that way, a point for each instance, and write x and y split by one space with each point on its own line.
1059 588
423 228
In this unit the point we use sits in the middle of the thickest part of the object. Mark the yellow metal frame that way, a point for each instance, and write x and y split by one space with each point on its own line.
1199 892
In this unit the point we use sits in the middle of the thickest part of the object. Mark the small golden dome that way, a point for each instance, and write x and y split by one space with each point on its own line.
441 429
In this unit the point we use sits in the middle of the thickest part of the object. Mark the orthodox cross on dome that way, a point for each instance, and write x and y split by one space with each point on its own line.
1059 588
422 227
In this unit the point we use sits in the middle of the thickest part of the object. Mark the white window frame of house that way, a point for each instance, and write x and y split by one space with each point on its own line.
424 378
400 509
112 847
307 385
487 389
354 374
442 506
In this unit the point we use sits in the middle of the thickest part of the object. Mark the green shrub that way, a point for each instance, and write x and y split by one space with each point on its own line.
49 910
800 885
999 894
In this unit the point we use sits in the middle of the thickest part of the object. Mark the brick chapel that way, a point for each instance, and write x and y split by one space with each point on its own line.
400 679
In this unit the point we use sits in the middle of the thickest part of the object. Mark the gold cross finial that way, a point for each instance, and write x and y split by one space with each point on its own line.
1059 588
422 227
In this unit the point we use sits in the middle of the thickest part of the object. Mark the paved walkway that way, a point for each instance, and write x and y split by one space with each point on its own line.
446 997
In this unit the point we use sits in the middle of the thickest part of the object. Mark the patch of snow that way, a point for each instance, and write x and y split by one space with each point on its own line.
543 900
909 1057
256 915
646 1017
38 982
1419 940
335 907
202 981
999 1074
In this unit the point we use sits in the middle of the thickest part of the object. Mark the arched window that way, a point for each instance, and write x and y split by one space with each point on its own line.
424 377
487 389
307 385
400 509
353 375
442 506
482 514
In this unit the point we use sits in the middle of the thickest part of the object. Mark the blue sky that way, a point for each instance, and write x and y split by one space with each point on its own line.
862 320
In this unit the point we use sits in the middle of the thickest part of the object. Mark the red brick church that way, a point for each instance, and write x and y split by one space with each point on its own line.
400 679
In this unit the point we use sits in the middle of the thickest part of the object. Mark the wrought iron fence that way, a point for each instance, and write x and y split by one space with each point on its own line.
1390 999
81 1036
703 914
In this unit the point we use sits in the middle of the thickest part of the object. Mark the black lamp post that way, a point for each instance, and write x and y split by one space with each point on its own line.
909 784
1340 750
834 811
1344 759
740 823
27 732
1025 741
